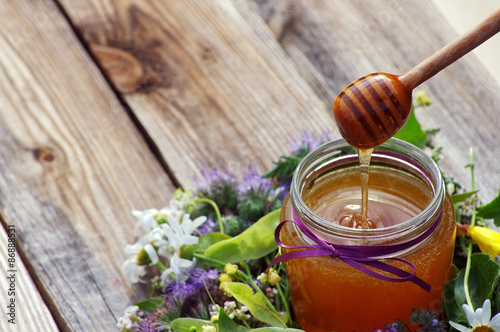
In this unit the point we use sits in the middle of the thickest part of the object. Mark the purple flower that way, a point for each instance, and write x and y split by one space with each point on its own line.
149 324
309 142
215 175
257 196
254 182
219 185
208 227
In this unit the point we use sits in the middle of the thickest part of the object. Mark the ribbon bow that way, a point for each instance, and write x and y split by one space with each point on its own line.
359 257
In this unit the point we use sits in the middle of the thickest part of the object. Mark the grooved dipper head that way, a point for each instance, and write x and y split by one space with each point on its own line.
372 109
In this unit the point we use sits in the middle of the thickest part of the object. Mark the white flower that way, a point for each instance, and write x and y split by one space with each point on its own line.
178 232
133 268
147 219
182 200
479 320
164 239
133 272
127 321
208 328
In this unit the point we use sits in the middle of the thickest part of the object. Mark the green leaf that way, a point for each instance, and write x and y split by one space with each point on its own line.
462 197
255 242
226 324
206 240
255 302
151 304
185 324
412 132
452 307
491 210
210 238
483 279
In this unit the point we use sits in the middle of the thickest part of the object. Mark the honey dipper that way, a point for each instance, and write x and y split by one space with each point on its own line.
373 108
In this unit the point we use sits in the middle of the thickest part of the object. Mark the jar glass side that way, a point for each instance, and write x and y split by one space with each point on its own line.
331 295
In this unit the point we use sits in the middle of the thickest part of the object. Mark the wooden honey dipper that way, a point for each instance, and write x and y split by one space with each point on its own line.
373 108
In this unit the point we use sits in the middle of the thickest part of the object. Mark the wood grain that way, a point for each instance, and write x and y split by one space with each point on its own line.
28 311
73 166
333 43
220 90
186 84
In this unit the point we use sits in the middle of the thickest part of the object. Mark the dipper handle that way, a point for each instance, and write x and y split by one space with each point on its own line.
452 52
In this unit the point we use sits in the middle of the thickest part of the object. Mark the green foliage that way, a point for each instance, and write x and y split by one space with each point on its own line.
187 324
226 324
256 205
151 304
205 241
255 302
491 210
412 132
283 172
462 197
483 279
255 242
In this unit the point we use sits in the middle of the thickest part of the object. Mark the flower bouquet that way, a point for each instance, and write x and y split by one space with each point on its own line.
207 254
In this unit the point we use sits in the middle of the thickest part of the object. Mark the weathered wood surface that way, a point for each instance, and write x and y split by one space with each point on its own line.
185 84
23 308
73 167
324 38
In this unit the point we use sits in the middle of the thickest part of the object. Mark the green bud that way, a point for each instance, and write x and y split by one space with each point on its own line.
161 218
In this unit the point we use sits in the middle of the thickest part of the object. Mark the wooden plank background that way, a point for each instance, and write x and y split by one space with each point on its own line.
106 106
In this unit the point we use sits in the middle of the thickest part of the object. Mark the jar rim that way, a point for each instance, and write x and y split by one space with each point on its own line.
407 154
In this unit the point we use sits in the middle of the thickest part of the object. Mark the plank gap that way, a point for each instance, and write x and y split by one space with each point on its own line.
153 147
44 294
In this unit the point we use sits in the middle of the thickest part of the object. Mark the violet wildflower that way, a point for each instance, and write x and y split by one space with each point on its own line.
257 196
150 324
428 320
220 186
397 326
209 226
192 297
309 142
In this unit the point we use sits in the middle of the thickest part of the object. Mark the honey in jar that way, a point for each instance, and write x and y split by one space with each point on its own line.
409 213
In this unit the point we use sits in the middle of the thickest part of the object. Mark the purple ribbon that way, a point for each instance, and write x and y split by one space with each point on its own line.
359 257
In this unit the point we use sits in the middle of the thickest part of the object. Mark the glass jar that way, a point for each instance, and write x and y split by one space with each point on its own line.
414 228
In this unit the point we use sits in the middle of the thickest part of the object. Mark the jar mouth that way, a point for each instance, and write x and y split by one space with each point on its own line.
394 153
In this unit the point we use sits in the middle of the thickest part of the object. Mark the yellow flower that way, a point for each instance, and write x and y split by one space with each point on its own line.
231 269
274 277
224 277
487 239
422 99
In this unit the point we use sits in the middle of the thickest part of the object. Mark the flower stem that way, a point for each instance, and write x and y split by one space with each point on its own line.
161 266
473 222
217 211
284 300
247 278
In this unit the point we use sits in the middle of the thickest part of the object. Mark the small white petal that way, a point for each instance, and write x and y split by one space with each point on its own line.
486 312
133 249
133 272
151 253
471 317
189 239
459 327
495 322
478 317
